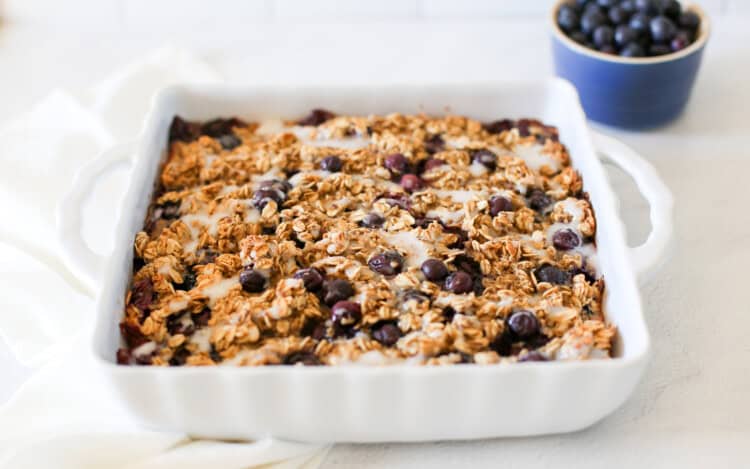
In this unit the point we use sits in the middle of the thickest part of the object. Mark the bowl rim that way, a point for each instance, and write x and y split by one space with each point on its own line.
703 34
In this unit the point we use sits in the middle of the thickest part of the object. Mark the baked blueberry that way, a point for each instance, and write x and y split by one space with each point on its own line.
386 333
261 197
304 358
142 294
331 163
432 163
486 158
532 356
372 220
548 273
276 184
565 239
523 324
252 281
396 164
434 144
316 117
538 199
229 141
499 204
632 50
434 270
346 313
388 263
459 282
411 182
311 277
336 290
499 126
662 29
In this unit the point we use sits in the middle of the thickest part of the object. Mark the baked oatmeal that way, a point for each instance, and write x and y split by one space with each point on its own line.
378 240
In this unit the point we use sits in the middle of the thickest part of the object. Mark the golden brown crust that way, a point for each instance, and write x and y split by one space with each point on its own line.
206 227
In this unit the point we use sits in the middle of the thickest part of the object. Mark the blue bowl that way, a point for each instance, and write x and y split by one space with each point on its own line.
634 93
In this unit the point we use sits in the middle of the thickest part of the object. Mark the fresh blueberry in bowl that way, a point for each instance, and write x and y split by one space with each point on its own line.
633 62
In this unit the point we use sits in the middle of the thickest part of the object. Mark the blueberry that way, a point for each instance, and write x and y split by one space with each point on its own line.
608 49
201 319
532 356
142 294
548 273
486 158
372 220
459 282
579 37
331 163
188 282
503 344
659 49
689 20
603 36
632 49
565 239
499 204
680 41
252 281
316 117
411 182
591 20
646 6
167 210
624 35
305 358
432 163
523 324
567 19
229 141
607 3
217 127
261 197
311 277
670 8
434 144
538 199
396 163
346 313
388 263
386 333
628 6
183 131
276 184
662 29
499 126
617 15
414 295
434 270
336 290
592 7
640 23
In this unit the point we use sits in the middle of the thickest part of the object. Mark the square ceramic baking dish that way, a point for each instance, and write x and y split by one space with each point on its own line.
370 404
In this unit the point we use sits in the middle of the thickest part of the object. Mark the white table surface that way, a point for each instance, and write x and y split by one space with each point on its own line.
691 409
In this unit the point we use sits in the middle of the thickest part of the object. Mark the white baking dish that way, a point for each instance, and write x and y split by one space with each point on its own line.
369 404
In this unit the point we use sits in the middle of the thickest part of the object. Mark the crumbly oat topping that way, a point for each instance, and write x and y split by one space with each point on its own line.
365 240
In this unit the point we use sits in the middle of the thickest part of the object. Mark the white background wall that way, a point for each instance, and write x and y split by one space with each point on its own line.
139 15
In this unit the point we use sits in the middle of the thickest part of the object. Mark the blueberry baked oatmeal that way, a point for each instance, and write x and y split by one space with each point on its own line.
378 240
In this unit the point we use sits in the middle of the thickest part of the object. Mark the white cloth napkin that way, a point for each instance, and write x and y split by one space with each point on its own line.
64 416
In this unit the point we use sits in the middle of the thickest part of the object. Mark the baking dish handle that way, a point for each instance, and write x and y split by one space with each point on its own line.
76 253
646 257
